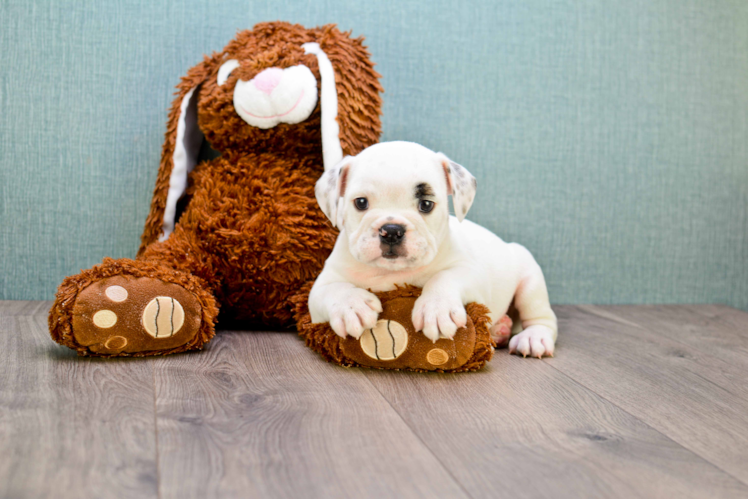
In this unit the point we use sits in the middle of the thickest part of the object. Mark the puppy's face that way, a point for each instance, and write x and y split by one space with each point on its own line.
391 203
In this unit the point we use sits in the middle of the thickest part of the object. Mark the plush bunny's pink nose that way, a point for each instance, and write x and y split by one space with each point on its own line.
268 79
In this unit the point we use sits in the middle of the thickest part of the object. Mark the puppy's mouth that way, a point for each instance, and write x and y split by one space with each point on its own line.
391 252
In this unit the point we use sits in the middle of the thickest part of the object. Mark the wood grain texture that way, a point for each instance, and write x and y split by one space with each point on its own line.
520 428
696 398
71 427
260 415
640 401
10 308
716 330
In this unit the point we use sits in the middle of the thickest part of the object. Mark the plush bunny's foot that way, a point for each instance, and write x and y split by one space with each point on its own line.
134 312
125 314
393 343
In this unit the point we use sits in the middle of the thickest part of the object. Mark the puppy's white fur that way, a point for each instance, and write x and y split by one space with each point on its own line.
455 261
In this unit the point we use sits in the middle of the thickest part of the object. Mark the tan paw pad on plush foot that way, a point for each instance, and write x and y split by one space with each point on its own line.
437 357
386 341
123 314
163 317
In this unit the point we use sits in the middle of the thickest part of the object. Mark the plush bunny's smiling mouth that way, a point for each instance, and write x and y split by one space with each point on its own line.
276 96
276 116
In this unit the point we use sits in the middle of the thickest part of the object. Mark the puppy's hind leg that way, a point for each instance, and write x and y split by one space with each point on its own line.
539 325
501 330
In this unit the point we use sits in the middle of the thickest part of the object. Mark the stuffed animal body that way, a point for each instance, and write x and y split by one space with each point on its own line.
242 231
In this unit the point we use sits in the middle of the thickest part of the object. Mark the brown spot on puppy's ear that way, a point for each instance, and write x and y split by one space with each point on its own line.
447 172
461 185
331 187
343 175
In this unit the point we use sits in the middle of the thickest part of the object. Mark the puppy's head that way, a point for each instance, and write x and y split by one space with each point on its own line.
391 202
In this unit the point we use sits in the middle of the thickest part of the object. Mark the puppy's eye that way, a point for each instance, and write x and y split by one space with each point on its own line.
361 203
426 206
225 70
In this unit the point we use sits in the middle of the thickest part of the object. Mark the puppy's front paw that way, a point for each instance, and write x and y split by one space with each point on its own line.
536 341
438 316
353 312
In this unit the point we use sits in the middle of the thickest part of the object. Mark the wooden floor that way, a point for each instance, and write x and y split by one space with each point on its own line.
640 401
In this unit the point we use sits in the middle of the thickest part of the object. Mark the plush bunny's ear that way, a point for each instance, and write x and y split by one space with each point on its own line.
179 155
332 152
349 95
330 190
184 158
460 184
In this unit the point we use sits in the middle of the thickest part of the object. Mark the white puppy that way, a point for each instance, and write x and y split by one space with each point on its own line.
391 205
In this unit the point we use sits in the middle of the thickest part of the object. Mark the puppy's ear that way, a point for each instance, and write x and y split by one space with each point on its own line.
460 184
330 189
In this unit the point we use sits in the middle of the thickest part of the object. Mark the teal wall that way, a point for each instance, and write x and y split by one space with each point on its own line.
610 138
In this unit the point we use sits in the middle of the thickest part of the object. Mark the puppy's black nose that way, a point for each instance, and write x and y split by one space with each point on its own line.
392 234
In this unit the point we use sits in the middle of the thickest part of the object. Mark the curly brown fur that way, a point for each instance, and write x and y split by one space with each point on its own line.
258 241
251 233
279 45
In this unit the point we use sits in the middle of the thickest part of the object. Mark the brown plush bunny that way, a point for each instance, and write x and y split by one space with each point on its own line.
243 230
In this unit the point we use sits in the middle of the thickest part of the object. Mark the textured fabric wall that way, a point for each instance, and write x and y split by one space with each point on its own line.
610 138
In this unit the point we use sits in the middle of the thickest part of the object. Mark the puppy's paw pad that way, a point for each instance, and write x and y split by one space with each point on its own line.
534 341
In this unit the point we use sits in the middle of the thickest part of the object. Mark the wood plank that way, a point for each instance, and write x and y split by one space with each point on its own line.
716 330
69 426
695 398
737 317
23 307
521 428
260 415
720 333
